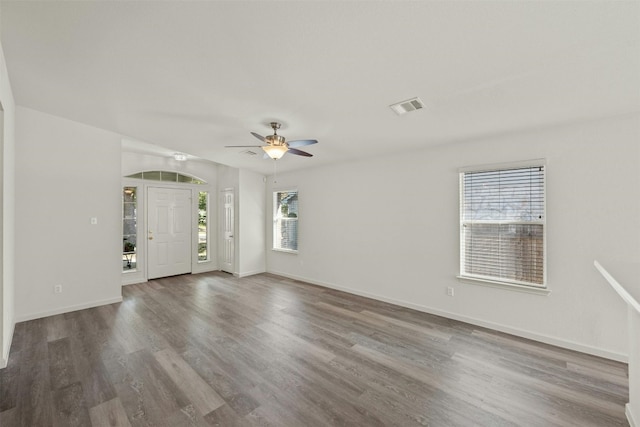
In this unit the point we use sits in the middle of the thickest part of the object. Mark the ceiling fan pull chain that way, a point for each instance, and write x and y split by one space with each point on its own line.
275 171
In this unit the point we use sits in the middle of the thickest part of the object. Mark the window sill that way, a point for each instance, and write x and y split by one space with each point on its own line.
504 285
286 251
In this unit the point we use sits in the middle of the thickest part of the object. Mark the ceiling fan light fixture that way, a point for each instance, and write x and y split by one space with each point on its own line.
275 151
275 139
276 146
180 157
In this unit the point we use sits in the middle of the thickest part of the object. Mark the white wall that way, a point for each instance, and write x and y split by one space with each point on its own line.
7 174
388 228
251 205
66 173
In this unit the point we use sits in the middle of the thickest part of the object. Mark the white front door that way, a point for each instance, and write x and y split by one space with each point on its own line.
228 246
168 232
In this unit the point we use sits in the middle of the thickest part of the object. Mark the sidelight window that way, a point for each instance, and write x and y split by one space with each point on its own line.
129 228
203 229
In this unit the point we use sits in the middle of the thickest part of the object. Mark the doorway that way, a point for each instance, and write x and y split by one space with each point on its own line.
227 261
168 232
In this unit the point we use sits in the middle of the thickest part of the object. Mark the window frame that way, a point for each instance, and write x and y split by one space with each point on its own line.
133 255
492 281
168 176
275 220
207 226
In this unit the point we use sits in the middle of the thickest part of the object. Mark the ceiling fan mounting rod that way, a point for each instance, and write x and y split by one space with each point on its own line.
275 139
275 126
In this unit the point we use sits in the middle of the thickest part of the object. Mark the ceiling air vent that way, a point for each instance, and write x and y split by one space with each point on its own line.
249 153
403 107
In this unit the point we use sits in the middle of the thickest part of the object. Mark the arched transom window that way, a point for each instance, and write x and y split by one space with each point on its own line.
167 176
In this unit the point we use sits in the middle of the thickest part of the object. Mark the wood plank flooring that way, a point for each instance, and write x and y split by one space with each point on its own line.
214 350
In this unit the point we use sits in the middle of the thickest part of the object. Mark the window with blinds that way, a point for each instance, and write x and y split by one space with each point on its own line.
502 225
285 221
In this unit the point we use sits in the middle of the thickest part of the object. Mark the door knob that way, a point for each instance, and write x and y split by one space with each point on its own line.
150 237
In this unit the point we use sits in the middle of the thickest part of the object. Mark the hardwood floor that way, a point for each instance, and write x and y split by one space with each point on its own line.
214 350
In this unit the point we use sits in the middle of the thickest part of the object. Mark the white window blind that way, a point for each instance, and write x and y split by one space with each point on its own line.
285 220
502 221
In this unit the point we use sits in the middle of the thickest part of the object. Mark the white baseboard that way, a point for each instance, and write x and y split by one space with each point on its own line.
249 273
558 342
133 281
204 268
68 309
4 360
629 414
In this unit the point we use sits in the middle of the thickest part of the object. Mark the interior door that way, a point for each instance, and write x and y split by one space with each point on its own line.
228 228
168 232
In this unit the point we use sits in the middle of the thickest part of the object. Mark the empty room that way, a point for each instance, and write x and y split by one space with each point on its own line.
320 213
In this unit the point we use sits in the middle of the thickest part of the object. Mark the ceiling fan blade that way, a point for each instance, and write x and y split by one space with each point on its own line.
299 152
260 137
301 143
242 146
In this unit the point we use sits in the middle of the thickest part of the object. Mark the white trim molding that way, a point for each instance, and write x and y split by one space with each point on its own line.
504 165
133 282
68 309
132 278
249 273
630 418
504 285
205 267
4 360
558 342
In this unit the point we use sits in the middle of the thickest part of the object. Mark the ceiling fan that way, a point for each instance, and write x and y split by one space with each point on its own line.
277 147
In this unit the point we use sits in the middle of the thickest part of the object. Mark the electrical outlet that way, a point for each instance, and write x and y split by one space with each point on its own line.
57 289
450 291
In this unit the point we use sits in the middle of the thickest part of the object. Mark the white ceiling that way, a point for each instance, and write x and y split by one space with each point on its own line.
196 76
